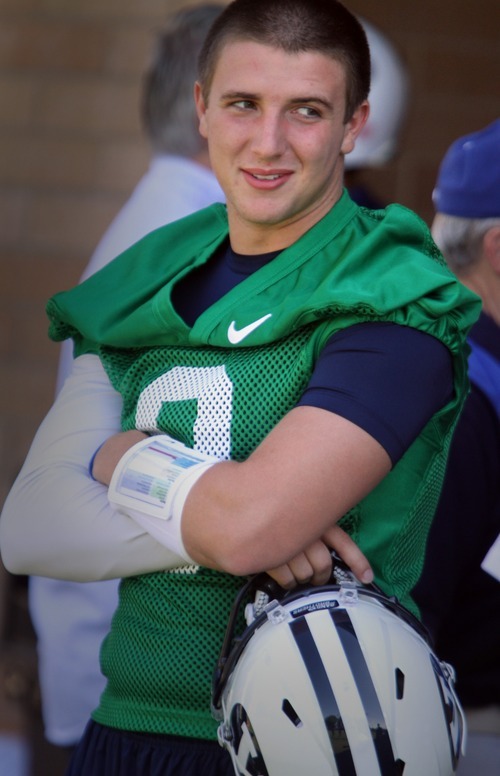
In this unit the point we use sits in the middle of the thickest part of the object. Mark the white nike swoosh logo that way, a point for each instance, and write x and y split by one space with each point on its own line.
235 335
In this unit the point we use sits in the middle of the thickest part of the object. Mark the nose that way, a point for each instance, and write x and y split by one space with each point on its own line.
269 138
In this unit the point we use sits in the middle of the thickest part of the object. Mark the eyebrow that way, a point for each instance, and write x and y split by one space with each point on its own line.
238 96
312 99
233 95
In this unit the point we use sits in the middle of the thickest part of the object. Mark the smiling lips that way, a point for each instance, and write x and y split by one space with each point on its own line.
271 179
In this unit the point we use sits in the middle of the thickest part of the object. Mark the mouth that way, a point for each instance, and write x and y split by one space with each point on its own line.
266 179
271 177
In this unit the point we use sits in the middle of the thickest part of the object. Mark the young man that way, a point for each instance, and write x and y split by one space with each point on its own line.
249 377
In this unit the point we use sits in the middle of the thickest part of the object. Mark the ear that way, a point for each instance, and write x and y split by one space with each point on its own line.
491 248
201 109
354 126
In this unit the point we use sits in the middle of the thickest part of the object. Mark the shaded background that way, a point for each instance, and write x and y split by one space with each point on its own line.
71 150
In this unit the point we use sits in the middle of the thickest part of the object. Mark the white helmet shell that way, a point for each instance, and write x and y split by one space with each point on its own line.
326 685
377 142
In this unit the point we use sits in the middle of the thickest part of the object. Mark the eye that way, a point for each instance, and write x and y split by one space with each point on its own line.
243 104
308 112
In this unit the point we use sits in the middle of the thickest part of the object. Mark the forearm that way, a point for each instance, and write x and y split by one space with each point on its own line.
56 520
76 536
258 514
147 467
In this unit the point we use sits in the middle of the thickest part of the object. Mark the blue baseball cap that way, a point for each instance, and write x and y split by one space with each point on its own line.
468 183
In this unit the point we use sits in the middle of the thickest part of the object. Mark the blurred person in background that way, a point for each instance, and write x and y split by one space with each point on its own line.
71 619
378 141
459 590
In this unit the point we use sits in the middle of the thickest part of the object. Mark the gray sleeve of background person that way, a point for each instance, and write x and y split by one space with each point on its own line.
57 521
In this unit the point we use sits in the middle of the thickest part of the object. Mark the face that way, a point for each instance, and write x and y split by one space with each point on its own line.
275 128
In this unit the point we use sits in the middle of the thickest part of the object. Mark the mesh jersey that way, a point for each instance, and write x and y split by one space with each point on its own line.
223 396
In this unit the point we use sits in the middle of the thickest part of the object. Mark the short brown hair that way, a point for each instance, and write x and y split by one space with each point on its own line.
295 26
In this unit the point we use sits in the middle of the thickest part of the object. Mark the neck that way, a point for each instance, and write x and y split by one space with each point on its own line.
250 236
260 242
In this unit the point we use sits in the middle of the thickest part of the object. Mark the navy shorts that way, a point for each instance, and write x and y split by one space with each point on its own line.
104 751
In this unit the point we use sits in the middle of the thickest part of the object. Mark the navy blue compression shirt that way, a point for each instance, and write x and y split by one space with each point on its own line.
387 379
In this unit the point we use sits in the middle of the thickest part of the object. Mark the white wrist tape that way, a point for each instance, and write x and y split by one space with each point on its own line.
151 483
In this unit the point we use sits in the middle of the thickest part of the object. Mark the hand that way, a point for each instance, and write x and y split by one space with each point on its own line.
348 550
312 566
110 453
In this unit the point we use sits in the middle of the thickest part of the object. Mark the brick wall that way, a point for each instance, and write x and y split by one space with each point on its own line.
71 149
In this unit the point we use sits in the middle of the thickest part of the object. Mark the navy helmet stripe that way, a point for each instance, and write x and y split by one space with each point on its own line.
325 695
368 694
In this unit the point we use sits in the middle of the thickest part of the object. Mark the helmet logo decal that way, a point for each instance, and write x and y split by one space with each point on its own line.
325 695
368 694
315 606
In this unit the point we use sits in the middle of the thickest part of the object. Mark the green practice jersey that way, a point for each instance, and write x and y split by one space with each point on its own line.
221 385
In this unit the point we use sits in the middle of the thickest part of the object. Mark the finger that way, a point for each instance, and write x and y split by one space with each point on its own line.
301 569
283 576
320 560
313 566
336 538
298 571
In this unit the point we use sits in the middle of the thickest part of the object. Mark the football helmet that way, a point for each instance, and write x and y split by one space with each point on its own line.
334 680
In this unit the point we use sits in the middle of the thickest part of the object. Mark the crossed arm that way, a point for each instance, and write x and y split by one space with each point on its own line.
278 510
275 511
